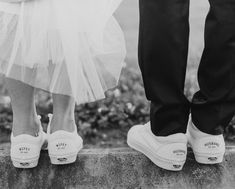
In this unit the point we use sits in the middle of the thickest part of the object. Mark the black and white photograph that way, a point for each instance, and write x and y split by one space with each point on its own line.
117 94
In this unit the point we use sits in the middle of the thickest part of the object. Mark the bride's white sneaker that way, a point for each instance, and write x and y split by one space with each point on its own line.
25 149
166 152
63 146
208 149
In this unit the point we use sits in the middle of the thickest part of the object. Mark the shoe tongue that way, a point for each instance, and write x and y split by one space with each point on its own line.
198 132
179 137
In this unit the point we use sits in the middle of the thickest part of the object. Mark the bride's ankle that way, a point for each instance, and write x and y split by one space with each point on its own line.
66 123
30 127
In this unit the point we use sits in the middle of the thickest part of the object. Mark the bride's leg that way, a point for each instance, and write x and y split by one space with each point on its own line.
25 119
63 113
63 147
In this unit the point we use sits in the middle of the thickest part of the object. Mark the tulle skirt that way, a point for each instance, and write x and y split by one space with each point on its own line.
69 47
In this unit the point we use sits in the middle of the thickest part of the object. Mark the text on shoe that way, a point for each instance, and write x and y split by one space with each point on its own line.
61 146
24 150
212 145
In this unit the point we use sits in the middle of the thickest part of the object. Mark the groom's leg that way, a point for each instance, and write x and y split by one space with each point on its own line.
163 49
214 105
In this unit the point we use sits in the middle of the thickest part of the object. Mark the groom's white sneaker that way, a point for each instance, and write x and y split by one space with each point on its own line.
166 152
208 149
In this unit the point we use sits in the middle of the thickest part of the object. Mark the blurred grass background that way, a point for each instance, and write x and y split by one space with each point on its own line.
105 123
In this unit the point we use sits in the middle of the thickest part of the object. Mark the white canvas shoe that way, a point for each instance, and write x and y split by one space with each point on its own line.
25 149
208 149
63 146
166 152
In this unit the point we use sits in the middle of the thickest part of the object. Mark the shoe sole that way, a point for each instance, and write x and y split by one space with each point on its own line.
62 160
209 158
26 163
159 161
65 158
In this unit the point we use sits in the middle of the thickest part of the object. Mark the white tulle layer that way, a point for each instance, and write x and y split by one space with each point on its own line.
69 47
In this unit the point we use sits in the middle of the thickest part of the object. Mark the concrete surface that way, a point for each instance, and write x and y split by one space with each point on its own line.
116 168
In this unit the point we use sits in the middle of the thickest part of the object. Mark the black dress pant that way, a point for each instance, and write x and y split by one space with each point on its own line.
163 51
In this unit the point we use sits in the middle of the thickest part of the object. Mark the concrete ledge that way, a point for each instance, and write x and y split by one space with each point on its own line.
116 168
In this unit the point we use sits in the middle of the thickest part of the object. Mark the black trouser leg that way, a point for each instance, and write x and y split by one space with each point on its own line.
214 105
163 49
